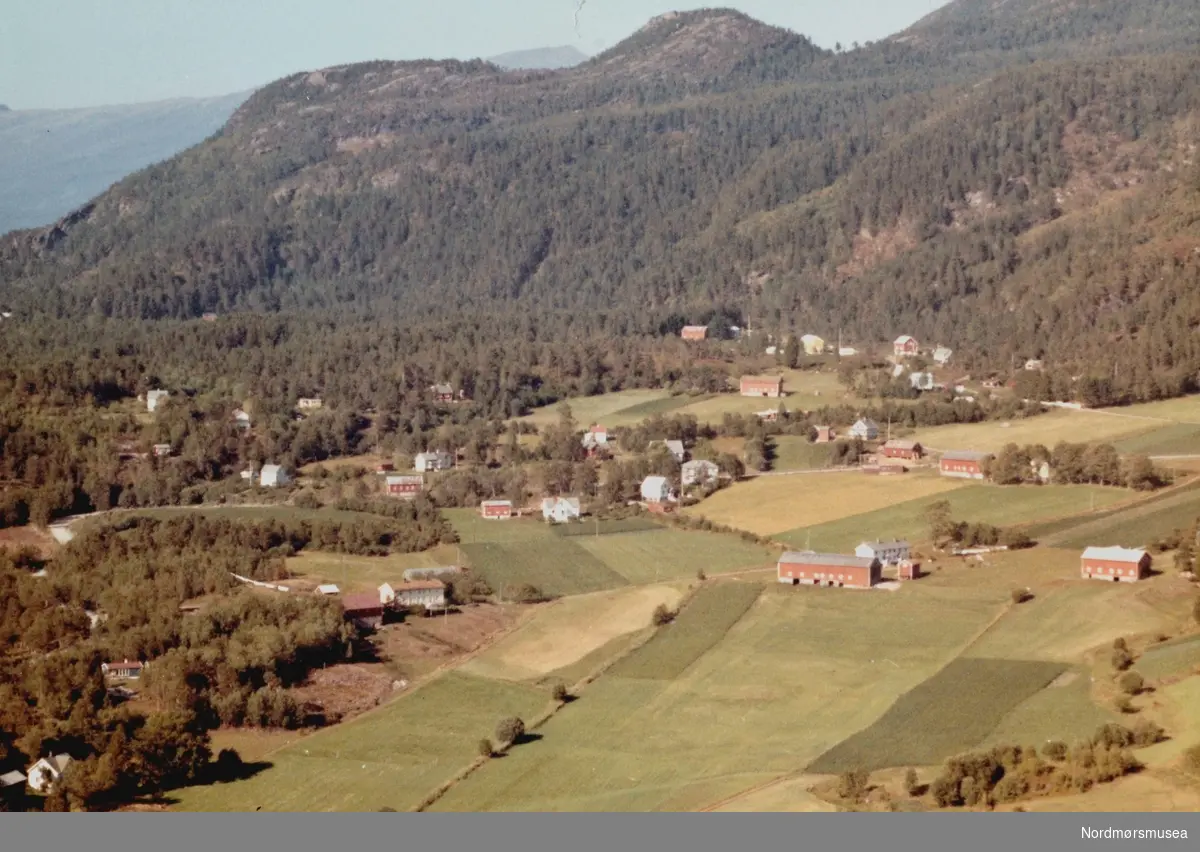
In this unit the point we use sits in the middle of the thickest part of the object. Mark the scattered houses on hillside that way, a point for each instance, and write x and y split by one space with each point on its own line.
431 461
443 392
273 476
901 449
155 398
865 429
125 670
595 440
404 486
364 609
699 472
429 594
812 344
1115 564
829 569
964 464
887 552
46 773
559 510
309 403
496 510
768 415
905 346
942 355
694 332
769 386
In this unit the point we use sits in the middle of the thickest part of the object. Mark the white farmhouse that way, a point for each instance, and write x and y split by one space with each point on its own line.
44 774
865 429
273 475
887 552
560 509
437 460
656 489
154 398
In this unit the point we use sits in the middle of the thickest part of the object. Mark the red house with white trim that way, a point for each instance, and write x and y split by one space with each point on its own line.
829 569
1115 564
905 346
963 464
405 486
496 510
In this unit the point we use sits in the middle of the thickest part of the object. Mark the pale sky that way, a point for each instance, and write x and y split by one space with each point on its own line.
70 53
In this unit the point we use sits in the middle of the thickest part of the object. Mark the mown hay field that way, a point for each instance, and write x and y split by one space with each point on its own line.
587 410
949 713
364 573
767 505
1136 526
564 633
993 504
1049 429
556 566
391 757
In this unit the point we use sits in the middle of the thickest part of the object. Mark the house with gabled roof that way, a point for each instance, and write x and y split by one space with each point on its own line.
865 429
559 510
1115 564
44 774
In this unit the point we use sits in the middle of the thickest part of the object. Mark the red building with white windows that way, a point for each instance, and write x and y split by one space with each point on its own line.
1115 564
829 569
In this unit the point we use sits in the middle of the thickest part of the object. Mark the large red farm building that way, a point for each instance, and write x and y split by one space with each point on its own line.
405 486
771 386
829 569
496 510
1116 564
964 464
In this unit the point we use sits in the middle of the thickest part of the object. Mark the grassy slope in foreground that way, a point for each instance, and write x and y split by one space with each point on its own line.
392 757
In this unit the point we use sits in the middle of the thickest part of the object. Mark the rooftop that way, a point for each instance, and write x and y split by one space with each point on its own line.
361 602
832 559
965 455
1115 554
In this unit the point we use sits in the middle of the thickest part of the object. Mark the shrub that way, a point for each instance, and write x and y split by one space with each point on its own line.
701 576
1146 733
1123 704
1055 750
1121 659
912 784
1196 611
485 748
1019 596
560 693
1107 735
510 730
945 792
1191 760
852 785
1119 644
662 615
1132 683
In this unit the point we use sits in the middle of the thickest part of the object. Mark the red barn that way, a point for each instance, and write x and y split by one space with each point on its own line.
829 569
385 467
1117 564
762 386
405 486
897 449
908 570
963 464
694 332
496 510
905 346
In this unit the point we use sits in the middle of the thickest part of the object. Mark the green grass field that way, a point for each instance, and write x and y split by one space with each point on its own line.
1184 409
710 614
1170 659
590 528
652 557
599 409
1177 439
473 529
952 712
1138 525
1063 712
667 405
557 566
993 504
793 452
800 671
391 757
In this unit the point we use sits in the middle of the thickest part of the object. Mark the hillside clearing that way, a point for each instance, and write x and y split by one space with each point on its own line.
652 557
1049 428
556 566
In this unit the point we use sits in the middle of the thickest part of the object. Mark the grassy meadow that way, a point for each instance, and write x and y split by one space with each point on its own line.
1049 429
364 573
767 505
652 557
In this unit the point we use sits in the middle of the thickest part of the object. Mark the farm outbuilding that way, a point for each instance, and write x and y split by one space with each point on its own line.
829 569
770 386
1115 564
865 429
694 332
899 449
812 344
404 486
963 464
656 489
905 346
887 552
559 510
496 510
908 570
273 476
363 609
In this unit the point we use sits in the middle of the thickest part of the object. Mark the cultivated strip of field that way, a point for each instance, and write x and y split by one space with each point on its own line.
364 573
591 409
950 713
651 557
591 527
1062 711
1047 530
767 505
391 757
643 410
561 634
1184 409
472 528
703 623
794 452
1141 524
993 504
1171 659
238 513
1177 439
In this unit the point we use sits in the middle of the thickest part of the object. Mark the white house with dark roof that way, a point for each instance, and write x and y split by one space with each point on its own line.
865 429
434 460
656 489
887 552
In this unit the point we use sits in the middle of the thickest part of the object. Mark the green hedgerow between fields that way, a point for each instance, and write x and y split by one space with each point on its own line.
949 713
701 624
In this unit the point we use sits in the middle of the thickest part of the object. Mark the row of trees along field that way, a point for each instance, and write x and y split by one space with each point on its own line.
1076 464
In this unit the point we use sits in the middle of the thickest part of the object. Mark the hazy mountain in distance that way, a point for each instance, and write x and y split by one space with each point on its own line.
542 58
51 161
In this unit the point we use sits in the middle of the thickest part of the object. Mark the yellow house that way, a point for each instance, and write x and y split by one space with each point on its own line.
812 344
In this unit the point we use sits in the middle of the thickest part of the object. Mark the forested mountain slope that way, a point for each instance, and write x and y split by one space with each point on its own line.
987 178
